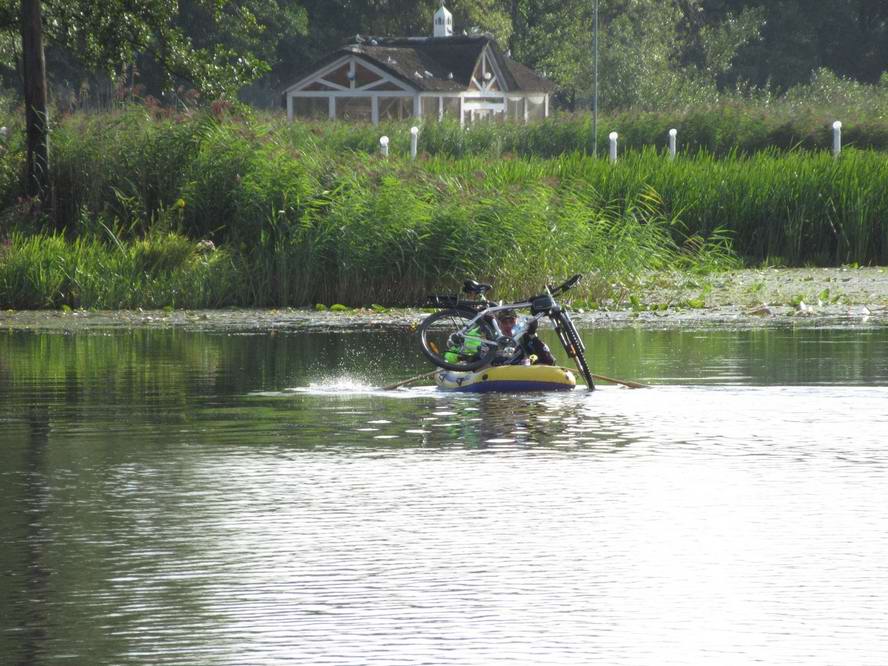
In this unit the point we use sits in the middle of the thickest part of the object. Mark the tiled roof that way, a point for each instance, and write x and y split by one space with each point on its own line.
434 64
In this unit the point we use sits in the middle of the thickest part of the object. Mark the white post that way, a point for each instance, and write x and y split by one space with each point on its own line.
837 138
414 141
289 108
384 146
613 146
672 134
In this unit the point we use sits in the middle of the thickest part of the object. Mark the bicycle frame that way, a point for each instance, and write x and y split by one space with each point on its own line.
490 312
478 326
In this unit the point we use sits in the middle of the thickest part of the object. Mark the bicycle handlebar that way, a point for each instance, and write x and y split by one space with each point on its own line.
570 283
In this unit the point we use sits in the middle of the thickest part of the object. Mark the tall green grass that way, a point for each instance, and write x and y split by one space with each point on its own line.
309 214
51 271
722 130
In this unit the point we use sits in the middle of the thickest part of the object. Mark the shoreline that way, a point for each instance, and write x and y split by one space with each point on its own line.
751 298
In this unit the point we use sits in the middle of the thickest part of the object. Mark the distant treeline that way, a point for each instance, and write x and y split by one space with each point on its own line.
653 53
294 218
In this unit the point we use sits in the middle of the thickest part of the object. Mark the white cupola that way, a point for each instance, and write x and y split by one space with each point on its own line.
443 23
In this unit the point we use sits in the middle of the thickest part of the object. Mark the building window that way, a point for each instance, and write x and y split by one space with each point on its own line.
354 108
395 108
429 108
451 108
536 109
311 108
516 110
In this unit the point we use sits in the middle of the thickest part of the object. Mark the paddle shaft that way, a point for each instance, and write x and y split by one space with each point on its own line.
623 382
391 387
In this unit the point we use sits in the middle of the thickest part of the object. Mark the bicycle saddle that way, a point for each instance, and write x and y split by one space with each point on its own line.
472 287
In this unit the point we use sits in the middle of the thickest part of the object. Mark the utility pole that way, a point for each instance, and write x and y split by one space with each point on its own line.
595 90
36 113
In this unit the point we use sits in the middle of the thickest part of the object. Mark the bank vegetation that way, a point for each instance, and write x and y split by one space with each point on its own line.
156 209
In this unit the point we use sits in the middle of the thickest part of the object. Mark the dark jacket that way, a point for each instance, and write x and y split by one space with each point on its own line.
531 345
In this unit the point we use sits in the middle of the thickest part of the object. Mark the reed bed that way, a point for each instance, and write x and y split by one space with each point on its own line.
301 215
722 131
51 271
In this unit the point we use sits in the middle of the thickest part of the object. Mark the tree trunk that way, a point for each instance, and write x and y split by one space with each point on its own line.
36 114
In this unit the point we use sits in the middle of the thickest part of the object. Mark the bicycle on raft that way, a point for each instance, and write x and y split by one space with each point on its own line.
466 336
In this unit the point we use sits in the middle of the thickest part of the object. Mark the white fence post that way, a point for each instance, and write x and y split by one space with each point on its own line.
613 146
384 146
672 134
837 138
414 141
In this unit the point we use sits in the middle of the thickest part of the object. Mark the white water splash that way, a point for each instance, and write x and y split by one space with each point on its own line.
345 386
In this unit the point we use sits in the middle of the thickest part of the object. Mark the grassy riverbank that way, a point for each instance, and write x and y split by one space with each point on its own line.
202 212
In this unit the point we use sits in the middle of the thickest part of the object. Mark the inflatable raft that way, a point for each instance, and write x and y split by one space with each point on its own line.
507 378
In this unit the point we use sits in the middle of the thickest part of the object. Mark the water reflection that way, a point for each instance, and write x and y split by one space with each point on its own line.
169 499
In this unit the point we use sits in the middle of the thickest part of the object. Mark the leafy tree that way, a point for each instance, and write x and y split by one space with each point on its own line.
652 52
267 30
850 37
105 34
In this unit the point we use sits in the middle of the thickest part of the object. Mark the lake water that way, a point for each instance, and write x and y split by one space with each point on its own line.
179 497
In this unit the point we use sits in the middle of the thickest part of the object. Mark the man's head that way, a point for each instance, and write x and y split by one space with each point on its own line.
506 319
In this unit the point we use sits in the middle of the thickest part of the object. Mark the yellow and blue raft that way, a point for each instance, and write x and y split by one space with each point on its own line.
507 378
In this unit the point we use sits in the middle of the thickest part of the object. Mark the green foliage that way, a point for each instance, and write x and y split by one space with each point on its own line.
300 220
50 271
654 54
721 129
109 36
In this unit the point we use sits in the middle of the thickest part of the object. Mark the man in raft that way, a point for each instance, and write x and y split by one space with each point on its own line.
533 350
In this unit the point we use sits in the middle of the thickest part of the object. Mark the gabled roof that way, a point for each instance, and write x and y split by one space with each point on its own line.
437 64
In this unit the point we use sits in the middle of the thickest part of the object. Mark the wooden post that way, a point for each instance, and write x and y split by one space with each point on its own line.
36 113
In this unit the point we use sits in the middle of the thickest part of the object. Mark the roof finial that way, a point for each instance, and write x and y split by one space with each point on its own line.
443 22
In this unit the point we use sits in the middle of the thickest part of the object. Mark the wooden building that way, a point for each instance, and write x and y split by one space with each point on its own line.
465 77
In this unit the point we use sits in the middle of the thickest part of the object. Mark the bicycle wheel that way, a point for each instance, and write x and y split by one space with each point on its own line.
574 347
448 344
